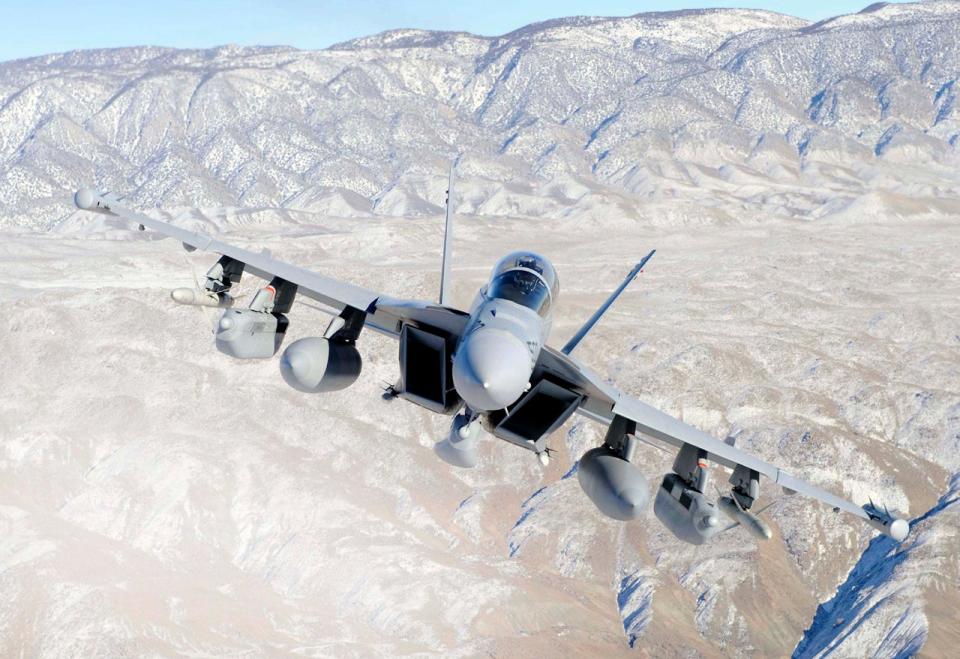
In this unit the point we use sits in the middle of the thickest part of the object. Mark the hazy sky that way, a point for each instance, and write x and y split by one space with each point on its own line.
35 27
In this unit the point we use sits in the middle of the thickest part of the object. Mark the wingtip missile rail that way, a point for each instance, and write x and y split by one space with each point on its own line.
88 199
893 527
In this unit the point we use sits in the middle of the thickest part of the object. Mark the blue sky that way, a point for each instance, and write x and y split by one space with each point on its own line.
35 27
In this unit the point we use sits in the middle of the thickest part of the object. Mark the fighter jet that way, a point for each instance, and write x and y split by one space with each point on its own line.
490 369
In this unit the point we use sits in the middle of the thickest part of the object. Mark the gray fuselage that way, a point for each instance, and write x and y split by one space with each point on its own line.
509 323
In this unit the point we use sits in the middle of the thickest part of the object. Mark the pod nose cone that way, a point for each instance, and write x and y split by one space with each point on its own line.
181 295
294 362
491 370
630 503
614 485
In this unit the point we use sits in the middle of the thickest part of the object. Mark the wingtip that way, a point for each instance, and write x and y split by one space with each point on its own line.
88 199
84 198
896 528
899 529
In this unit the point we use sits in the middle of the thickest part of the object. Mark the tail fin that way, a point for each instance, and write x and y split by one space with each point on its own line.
587 326
447 243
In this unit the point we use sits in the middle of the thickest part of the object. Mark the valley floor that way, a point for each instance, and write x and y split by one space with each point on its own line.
158 498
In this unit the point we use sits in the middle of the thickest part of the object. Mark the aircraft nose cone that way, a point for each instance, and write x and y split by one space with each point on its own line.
492 368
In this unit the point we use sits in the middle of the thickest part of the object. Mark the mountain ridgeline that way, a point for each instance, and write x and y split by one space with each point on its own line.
607 113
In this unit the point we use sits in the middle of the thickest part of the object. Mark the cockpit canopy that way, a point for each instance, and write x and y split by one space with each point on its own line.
527 279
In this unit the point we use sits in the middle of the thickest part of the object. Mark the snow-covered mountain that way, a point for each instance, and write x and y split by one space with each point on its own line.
800 182
646 107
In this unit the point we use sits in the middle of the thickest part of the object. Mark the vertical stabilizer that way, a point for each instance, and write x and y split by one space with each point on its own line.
587 326
447 240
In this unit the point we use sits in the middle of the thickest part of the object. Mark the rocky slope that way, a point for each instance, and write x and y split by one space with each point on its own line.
739 104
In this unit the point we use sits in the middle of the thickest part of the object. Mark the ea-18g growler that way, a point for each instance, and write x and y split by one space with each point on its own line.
491 370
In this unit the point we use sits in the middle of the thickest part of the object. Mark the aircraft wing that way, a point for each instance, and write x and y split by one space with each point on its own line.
597 399
603 402
383 313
